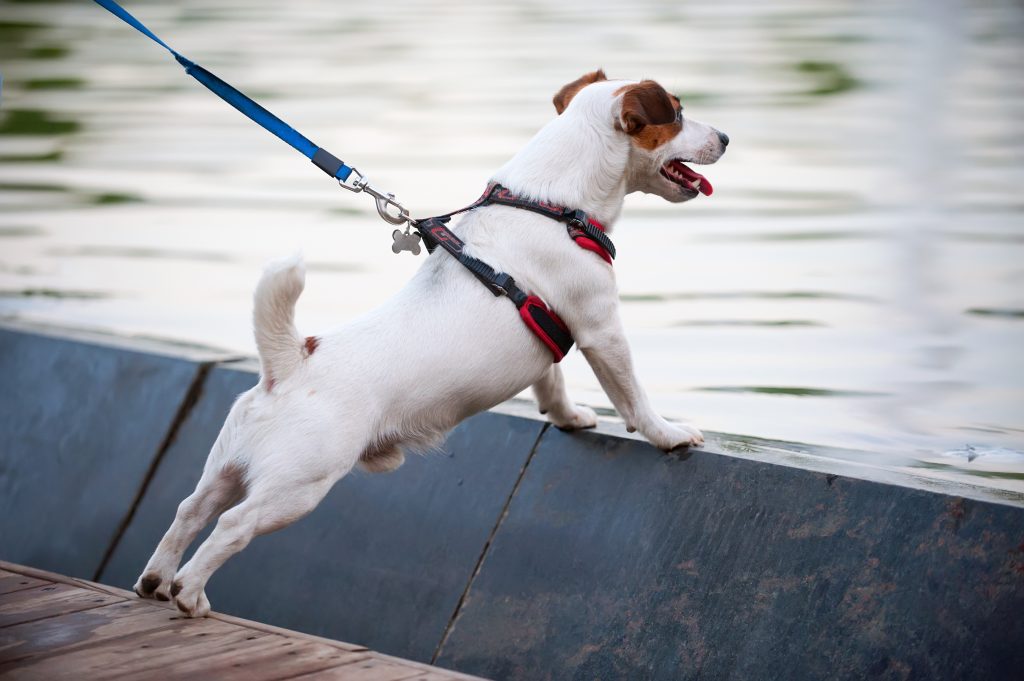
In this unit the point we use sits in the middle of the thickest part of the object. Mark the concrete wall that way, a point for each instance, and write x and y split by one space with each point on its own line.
522 552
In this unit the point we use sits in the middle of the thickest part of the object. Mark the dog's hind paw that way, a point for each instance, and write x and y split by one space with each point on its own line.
152 585
189 602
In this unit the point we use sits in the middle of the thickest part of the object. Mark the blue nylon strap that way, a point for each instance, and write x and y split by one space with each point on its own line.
322 158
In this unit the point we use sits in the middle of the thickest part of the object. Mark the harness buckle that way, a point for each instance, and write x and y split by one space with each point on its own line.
577 219
501 284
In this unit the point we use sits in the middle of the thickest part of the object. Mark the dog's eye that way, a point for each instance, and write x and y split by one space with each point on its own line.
679 111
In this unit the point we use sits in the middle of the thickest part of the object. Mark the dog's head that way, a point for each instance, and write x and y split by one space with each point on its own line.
662 140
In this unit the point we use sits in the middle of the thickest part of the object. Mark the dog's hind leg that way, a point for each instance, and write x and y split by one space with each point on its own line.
266 508
553 400
216 491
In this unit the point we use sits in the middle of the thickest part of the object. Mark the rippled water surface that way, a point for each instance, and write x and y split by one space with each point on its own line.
855 281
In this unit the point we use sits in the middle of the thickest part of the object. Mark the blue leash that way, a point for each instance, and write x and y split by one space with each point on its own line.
321 158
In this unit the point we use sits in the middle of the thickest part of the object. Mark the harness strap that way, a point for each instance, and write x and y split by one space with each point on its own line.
586 232
323 159
544 323
547 326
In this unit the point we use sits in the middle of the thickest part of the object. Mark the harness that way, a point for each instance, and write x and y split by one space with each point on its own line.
586 232
547 326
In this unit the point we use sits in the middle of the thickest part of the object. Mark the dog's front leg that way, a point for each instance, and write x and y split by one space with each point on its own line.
607 351
553 400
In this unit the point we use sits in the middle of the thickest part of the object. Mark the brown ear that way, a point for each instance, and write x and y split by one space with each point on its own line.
565 95
645 103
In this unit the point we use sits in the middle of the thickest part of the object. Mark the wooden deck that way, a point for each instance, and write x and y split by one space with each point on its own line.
55 627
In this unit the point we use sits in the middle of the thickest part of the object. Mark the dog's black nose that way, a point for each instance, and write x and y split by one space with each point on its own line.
723 138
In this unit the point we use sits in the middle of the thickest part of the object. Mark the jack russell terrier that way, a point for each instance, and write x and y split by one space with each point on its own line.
324 404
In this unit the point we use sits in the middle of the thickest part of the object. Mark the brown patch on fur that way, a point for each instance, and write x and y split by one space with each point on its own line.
650 115
565 95
382 457
312 343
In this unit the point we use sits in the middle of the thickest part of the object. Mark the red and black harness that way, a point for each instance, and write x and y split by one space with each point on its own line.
544 323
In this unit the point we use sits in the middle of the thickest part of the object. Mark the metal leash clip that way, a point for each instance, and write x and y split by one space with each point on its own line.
384 201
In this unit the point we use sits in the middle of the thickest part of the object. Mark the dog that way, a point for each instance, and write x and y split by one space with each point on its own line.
443 348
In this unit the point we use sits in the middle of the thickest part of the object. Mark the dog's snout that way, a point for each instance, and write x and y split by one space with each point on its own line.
723 138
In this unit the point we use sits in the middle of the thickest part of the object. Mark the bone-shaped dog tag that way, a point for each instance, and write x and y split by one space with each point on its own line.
405 241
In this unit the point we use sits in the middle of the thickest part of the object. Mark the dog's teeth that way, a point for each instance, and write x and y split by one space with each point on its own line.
696 183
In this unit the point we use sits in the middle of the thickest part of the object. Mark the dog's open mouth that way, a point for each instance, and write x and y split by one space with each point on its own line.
687 178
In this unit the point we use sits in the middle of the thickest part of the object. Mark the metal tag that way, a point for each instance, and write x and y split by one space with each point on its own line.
405 241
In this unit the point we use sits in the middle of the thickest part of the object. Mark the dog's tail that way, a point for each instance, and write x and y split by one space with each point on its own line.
277 339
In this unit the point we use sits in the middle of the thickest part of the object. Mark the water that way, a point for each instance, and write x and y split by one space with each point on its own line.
855 281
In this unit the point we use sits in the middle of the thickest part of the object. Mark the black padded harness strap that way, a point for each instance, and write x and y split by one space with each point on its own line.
544 323
435 233
574 219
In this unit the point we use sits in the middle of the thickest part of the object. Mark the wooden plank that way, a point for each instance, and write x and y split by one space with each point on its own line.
73 581
55 627
382 672
259 626
238 642
112 590
35 572
10 582
39 593
141 655
281 659
428 668
271 629
373 668
57 634
46 601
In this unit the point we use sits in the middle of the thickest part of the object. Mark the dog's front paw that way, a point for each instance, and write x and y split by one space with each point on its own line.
192 602
579 418
676 436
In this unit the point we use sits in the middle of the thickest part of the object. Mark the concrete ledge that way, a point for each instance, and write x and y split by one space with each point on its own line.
615 561
526 552
80 426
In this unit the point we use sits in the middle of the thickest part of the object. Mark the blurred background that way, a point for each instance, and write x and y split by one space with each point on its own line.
855 281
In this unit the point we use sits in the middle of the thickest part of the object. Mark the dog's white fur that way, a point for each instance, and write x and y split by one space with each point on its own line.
314 416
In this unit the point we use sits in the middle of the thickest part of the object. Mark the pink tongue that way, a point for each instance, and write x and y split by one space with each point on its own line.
705 187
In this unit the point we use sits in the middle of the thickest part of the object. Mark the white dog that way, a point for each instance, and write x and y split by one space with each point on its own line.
444 348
